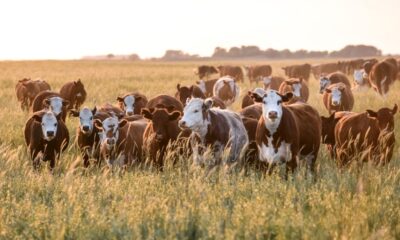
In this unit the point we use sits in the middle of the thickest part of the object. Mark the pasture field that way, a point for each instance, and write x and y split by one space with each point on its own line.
182 202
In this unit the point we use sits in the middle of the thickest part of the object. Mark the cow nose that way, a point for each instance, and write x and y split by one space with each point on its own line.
129 113
110 141
50 133
272 115
85 128
182 124
335 103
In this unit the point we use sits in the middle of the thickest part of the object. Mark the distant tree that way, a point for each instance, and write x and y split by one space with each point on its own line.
110 56
219 52
133 57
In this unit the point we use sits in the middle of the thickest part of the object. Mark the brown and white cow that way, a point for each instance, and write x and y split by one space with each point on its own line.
207 86
46 136
183 93
336 77
234 71
273 82
204 71
248 99
367 136
215 128
298 71
287 132
338 97
121 141
51 100
27 89
132 103
256 73
361 75
75 93
382 75
227 90
299 88
165 101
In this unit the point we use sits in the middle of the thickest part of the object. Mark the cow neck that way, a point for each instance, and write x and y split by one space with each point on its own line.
205 130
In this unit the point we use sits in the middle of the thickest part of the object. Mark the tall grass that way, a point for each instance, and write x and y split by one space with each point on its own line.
183 201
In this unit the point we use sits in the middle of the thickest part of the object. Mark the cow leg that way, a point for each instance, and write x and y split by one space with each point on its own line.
35 159
291 166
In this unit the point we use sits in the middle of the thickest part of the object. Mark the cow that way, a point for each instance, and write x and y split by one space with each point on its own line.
215 128
251 155
287 132
207 86
46 136
382 75
227 90
361 75
366 137
161 131
273 82
27 89
164 101
183 93
132 103
256 73
253 111
338 97
52 101
299 88
326 68
205 71
248 99
121 141
298 71
111 109
353 65
74 92
234 71
336 77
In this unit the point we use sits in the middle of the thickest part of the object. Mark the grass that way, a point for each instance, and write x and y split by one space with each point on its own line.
182 202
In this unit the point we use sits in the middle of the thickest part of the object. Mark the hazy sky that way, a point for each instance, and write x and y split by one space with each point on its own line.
58 29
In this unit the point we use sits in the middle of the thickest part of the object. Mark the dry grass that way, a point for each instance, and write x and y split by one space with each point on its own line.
180 202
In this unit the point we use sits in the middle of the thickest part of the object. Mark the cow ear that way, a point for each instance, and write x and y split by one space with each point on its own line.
178 86
371 113
46 102
37 118
147 113
328 90
98 124
207 104
65 103
120 99
74 113
287 97
137 98
94 110
122 123
170 108
174 115
256 98
394 110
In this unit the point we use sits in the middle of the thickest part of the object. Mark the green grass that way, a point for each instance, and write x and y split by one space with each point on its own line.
181 202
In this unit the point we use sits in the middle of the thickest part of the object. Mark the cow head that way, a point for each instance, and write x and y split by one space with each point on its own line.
257 94
296 84
324 82
85 119
385 117
55 104
160 118
195 114
359 76
184 93
49 123
79 91
127 103
336 91
267 82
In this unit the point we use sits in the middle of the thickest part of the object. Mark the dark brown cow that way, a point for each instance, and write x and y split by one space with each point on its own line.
184 93
51 100
164 101
298 87
207 86
286 132
273 82
367 136
75 93
253 111
382 75
256 73
46 137
205 71
162 130
325 69
234 71
132 103
251 155
298 71
338 97
336 77
27 89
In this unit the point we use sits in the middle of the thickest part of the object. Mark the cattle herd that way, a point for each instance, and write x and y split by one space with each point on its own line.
275 125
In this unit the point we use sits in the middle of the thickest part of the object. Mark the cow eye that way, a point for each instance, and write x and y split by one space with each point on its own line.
264 102
91 118
55 124
196 111
279 102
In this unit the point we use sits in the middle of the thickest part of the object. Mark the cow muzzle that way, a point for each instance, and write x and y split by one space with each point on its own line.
273 115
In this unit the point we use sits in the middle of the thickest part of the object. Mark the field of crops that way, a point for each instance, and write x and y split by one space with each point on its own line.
181 202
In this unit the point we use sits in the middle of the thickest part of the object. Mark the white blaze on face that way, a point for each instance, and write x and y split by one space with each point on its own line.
323 84
336 96
202 86
297 89
272 156
272 105
86 120
193 116
56 105
110 131
49 126
359 76
129 102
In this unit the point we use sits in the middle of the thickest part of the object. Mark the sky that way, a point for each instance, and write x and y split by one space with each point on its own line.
70 29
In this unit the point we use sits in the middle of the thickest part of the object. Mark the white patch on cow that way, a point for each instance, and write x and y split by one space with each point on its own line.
272 102
86 120
359 76
79 94
336 98
49 125
268 154
202 86
56 105
129 102
193 117
297 89
109 124
323 84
